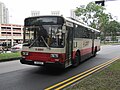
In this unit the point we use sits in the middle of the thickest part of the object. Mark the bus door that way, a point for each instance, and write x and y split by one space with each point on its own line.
93 36
69 46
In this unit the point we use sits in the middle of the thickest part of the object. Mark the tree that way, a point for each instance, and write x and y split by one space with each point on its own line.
94 15
113 29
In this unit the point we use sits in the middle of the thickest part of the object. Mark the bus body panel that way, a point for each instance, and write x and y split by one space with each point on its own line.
64 56
85 47
44 55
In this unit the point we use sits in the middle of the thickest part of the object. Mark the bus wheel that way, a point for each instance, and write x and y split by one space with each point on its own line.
76 61
94 54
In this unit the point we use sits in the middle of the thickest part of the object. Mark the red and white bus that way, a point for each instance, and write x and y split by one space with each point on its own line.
58 41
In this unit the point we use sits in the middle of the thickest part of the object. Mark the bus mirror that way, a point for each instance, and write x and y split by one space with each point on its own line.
76 26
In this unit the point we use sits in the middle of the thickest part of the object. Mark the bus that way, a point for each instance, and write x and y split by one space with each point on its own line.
58 41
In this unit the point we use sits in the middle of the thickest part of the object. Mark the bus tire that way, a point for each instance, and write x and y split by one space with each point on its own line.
76 61
95 52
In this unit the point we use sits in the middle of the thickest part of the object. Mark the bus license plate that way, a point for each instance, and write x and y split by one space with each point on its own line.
41 63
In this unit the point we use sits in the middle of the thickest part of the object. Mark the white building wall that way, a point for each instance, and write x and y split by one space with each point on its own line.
57 13
72 14
11 33
4 14
35 13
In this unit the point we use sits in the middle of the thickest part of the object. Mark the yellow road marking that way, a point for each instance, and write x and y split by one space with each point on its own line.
83 76
96 68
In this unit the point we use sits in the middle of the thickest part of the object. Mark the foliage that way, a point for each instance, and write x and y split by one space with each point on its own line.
95 16
113 29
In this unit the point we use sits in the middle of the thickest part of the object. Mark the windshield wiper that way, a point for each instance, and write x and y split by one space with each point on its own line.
45 42
33 42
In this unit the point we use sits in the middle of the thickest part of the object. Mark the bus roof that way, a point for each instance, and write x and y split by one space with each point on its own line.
81 24
69 20
44 16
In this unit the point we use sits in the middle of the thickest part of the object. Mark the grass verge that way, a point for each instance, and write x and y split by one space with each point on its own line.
6 56
107 79
110 43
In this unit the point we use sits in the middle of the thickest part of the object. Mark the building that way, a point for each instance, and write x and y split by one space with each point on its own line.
10 34
57 13
4 14
35 13
72 14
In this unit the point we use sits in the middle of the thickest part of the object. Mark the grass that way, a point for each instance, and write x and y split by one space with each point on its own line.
110 43
5 56
107 79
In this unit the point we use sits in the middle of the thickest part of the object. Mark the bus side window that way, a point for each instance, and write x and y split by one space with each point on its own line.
90 34
79 32
84 30
86 33
97 35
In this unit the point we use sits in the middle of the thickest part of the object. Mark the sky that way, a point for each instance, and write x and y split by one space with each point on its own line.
20 9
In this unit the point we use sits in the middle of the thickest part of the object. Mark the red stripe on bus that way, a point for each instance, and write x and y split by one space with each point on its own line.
44 57
85 51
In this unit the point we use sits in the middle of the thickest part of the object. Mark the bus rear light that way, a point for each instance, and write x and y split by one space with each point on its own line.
25 53
54 56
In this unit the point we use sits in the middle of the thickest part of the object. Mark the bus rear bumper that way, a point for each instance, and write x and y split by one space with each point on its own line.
38 63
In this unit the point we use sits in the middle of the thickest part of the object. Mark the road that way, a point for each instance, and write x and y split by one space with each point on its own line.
15 76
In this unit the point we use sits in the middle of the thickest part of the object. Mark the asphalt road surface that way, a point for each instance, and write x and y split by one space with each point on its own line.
15 76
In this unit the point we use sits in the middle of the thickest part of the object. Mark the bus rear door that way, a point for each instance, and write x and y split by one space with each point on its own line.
69 46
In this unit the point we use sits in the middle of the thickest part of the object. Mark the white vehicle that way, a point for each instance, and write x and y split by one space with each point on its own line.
59 41
16 48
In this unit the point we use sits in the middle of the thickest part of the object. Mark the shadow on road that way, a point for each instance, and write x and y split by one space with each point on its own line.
52 71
